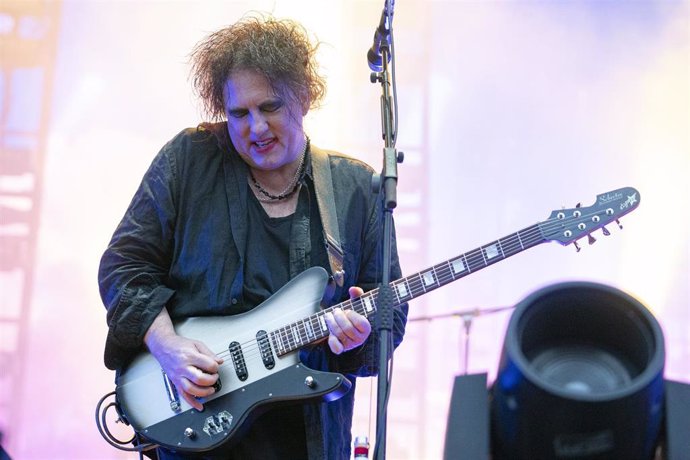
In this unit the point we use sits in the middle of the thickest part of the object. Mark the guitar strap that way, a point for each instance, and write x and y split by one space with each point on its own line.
323 184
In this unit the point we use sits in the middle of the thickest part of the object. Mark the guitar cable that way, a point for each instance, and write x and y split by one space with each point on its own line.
102 425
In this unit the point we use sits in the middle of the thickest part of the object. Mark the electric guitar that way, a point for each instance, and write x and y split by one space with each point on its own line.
260 348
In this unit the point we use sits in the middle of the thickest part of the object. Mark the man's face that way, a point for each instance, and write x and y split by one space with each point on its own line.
265 130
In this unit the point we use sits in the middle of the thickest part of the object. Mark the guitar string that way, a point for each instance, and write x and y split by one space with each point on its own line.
510 245
506 246
412 281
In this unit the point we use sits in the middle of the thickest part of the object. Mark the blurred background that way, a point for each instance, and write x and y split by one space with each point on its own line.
507 110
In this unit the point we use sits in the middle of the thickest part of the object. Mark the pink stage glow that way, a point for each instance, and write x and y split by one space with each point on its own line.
507 111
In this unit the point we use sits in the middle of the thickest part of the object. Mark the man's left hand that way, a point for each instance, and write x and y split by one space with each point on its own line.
348 329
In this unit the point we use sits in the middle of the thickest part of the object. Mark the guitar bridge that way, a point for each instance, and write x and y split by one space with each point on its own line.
265 349
218 423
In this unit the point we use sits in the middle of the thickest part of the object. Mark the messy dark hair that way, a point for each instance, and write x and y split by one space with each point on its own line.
278 49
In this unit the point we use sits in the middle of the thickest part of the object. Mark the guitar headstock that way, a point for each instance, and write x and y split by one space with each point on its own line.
569 225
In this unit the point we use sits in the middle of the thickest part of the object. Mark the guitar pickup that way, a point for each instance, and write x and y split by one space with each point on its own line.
265 349
238 361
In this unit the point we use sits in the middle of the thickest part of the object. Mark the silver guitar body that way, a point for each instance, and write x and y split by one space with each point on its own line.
254 373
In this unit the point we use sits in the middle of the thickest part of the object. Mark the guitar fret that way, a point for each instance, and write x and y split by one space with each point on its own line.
472 262
481 251
289 338
275 342
416 286
394 287
500 247
467 263
316 325
295 334
421 283
357 306
304 330
514 248
281 342
446 271
414 283
443 273
301 335
522 246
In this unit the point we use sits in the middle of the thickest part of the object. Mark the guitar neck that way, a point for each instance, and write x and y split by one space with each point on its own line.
296 335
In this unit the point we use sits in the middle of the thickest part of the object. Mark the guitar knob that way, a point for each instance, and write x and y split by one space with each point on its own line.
188 432
310 382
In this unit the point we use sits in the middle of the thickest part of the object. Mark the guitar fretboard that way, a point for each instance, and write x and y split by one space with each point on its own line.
296 335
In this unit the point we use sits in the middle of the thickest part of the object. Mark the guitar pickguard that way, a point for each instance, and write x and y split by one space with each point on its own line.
228 416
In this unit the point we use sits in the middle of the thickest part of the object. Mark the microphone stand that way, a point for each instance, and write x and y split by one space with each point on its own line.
466 316
388 180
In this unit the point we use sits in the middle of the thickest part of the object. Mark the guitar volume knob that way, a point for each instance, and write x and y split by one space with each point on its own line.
310 382
188 432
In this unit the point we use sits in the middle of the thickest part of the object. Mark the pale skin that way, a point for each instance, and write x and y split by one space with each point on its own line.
269 137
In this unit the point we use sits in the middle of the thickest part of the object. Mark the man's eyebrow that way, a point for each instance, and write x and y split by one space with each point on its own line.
271 102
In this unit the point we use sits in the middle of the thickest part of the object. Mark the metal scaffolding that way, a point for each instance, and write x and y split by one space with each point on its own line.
28 43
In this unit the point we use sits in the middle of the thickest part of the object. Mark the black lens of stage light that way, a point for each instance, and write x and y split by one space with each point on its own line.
581 369
581 377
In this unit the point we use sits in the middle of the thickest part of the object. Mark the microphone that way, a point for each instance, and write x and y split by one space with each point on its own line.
381 34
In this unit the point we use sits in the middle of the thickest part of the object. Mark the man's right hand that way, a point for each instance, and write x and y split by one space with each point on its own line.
189 364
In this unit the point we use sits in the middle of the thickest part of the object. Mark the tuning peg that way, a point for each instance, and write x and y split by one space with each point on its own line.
577 246
619 224
578 205
591 239
605 231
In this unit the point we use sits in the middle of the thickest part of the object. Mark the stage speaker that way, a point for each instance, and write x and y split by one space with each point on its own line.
580 377
676 440
467 430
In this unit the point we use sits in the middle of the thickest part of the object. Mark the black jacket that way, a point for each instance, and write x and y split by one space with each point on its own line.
181 245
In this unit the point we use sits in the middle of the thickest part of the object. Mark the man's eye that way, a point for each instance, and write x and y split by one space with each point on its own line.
272 106
237 113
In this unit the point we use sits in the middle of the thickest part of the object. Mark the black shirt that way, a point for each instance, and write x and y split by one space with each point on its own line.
280 432
267 253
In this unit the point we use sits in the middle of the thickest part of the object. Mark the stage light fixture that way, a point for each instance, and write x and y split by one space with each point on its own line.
580 377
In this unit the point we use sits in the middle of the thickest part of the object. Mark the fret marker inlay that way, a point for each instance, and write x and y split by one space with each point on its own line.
429 279
491 251
458 266
402 289
367 303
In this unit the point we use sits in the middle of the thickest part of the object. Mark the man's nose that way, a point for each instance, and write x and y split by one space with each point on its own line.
257 123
